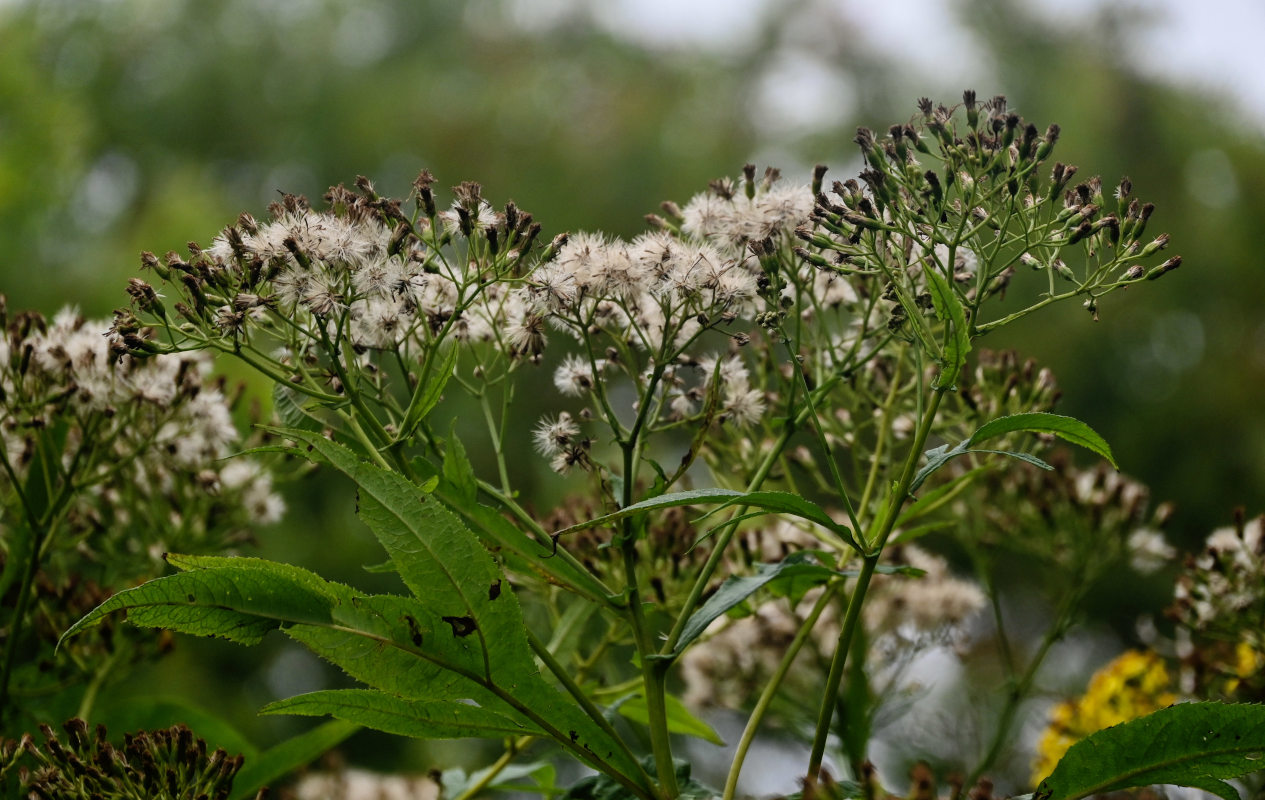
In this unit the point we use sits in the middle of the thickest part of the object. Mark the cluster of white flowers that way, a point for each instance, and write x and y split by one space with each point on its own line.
731 219
926 605
1226 581
394 292
159 425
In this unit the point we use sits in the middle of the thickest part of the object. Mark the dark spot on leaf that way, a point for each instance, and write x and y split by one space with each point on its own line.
192 598
461 626
494 591
357 500
575 737
414 631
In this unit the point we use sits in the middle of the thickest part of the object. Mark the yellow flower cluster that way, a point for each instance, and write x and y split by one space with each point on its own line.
1136 683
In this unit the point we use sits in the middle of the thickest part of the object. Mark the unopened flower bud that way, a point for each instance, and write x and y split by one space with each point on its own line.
1168 266
1159 243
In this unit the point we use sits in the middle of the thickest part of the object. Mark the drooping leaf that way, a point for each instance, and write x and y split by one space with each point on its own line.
420 719
278 761
1201 745
950 311
1067 428
680 719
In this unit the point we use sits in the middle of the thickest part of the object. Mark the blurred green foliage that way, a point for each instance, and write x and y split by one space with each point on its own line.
142 124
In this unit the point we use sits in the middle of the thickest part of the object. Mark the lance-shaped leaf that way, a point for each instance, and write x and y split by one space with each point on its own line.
950 311
241 602
1067 428
767 501
420 719
428 393
1189 744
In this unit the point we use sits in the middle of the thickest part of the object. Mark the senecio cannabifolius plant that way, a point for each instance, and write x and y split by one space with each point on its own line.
769 348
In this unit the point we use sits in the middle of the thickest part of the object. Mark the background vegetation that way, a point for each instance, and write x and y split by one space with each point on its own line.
135 125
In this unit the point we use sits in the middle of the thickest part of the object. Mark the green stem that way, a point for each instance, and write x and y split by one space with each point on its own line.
835 677
882 530
770 689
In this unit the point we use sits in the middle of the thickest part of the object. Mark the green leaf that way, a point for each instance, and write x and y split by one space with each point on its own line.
737 588
768 501
458 473
239 599
475 622
279 761
1190 744
937 457
680 719
428 393
419 719
1068 428
950 311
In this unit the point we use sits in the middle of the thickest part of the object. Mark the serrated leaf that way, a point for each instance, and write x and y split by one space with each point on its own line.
1190 744
419 719
475 615
284 758
239 599
680 719
950 311
1067 428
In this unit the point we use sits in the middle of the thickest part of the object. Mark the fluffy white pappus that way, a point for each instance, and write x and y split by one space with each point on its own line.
381 323
574 376
553 436
706 216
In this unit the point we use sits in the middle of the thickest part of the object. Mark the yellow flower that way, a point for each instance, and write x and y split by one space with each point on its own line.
1133 685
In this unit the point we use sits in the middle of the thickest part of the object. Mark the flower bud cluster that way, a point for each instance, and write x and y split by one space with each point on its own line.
934 191
163 763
